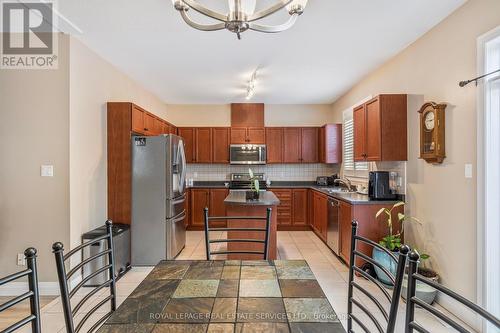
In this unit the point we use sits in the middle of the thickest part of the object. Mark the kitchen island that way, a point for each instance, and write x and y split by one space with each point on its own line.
237 205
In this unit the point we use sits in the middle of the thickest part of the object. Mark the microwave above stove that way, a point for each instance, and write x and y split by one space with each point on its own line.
248 154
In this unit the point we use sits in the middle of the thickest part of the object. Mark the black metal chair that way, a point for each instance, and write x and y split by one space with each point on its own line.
33 294
64 277
412 300
396 281
264 241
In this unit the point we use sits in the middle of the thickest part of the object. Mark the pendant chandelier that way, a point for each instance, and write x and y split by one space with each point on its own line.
242 15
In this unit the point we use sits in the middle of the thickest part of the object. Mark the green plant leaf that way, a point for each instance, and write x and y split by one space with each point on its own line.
250 172
256 185
398 204
401 217
381 210
424 256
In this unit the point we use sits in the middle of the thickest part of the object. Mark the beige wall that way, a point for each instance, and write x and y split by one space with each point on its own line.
93 82
275 115
441 196
34 130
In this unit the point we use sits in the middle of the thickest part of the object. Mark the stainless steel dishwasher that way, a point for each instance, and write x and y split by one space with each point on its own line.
333 235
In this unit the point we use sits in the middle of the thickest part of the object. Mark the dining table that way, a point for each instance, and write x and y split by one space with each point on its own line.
222 296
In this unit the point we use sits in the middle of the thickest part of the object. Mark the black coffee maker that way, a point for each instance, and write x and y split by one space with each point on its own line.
378 186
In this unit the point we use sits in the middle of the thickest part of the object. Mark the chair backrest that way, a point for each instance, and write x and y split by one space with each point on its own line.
32 294
359 259
265 229
64 277
412 299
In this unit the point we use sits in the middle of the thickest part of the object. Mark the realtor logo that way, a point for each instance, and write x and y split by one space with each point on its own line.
28 37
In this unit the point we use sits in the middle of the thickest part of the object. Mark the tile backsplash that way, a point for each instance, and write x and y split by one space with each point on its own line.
274 172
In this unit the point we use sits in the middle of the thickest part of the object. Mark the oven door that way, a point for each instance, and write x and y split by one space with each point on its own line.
248 154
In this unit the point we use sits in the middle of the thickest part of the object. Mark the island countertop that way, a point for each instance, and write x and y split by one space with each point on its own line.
238 197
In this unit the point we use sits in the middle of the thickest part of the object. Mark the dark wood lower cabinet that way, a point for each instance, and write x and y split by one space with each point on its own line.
203 197
217 206
299 206
320 215
200 198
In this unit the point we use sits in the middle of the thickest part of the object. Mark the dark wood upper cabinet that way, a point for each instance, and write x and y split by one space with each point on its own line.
149 124
300 145
256 135
373 134
220 146
247 115
188 134
125 119
274 142
203 145
248 135
299 204
330 144
291 145
157 126
137 120
309 145
238 135
359 120
380 129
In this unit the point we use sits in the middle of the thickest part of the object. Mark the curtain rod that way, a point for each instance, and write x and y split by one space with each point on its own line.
464 83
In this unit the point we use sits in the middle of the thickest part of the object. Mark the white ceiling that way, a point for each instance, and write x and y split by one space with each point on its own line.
332 46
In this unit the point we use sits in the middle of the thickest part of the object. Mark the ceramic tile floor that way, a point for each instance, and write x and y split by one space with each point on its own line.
330 272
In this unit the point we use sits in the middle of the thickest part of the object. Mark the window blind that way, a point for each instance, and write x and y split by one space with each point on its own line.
349 164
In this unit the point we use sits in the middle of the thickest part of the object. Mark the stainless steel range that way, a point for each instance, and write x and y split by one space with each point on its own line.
241 181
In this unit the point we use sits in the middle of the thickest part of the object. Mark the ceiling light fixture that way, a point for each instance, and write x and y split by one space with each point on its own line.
241 15
251 86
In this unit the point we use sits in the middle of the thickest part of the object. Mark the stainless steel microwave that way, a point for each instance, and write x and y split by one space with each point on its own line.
248 154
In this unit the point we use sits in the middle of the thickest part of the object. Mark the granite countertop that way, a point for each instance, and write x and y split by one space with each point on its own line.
266 198
351 198
209 184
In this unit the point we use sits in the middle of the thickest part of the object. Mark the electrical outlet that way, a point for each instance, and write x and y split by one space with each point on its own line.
21 261
468 171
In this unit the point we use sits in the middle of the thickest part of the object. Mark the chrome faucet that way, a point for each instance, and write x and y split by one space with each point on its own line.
344 181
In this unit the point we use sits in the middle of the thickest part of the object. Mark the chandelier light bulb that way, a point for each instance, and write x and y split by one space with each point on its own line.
247 6
296 7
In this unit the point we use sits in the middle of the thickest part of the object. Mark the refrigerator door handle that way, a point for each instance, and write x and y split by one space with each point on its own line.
181 199
182 179
180 218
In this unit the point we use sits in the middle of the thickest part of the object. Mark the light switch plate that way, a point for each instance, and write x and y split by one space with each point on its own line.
468 171
47 170
21 261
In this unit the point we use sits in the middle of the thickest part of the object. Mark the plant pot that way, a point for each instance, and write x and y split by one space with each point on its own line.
252 195
387 262
423 291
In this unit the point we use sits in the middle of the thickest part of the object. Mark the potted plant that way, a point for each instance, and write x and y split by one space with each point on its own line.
392 242
253 194
423 291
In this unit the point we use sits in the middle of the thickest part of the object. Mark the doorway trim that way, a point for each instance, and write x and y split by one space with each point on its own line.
482 281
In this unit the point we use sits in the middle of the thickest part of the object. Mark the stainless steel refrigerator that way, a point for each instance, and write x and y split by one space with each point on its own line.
158 194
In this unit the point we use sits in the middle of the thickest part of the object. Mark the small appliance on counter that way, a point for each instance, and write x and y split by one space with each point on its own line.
322 181
379 186
326 180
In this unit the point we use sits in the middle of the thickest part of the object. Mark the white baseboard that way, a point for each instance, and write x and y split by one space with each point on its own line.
18 288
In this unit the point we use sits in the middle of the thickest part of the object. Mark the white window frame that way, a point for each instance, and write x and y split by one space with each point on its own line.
361 169
487 196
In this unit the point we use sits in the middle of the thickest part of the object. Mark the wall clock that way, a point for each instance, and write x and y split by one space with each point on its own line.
432 132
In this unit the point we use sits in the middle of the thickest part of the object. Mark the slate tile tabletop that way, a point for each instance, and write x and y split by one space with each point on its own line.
233 296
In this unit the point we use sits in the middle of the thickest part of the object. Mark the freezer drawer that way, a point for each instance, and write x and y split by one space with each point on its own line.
176 235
